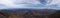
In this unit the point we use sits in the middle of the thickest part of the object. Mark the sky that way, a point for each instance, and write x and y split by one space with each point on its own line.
7 4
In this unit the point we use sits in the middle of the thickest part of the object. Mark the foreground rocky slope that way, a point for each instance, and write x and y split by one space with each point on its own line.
28 13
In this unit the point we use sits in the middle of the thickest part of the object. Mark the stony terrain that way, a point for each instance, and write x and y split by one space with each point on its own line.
27 13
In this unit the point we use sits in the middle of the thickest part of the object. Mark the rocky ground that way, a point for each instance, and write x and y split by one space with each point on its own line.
27 13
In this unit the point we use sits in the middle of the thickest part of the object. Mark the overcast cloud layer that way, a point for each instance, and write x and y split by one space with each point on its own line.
5 4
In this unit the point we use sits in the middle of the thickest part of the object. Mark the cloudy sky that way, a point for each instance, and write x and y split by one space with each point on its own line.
5 4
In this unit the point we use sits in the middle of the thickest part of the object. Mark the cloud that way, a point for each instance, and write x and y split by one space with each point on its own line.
12 3
24 4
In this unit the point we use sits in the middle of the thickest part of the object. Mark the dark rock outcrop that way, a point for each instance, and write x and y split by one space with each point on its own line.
55 15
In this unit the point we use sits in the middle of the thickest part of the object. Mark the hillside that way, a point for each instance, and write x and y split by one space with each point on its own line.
29 13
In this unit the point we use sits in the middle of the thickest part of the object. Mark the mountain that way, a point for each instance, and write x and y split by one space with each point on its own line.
26 13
